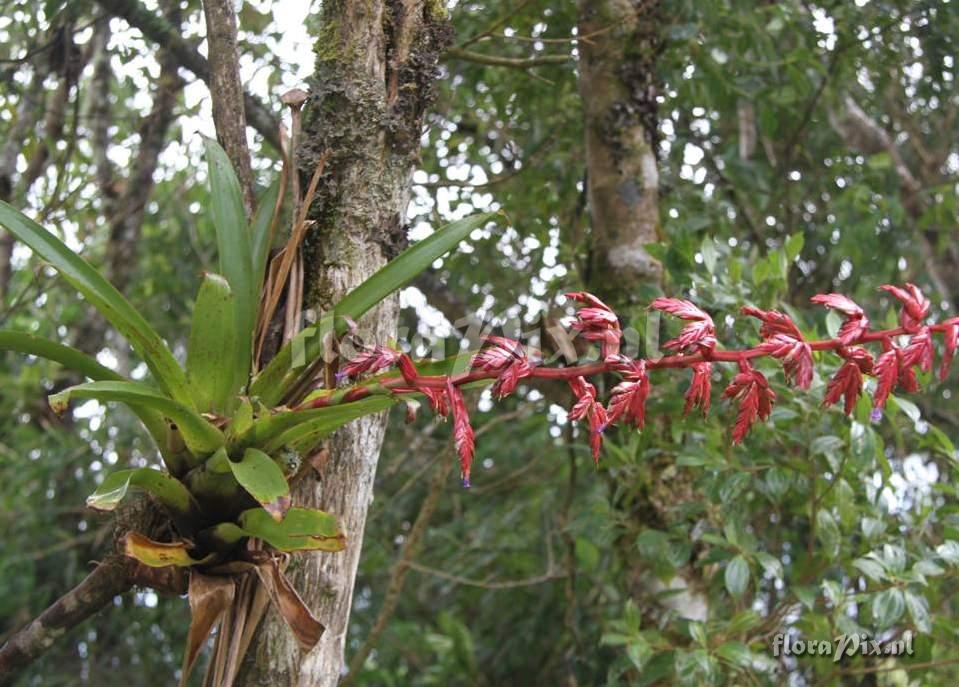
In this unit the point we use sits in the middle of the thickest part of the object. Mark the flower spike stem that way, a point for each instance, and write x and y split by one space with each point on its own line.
506 362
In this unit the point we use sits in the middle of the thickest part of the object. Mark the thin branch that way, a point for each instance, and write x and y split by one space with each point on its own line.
548 576
108 579
226 90
496 24
585 38
498 61
160 31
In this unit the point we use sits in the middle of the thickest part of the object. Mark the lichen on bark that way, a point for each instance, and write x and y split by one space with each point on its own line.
376 61
618 85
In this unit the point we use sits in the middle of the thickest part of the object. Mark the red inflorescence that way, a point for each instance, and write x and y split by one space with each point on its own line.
699 334
506 362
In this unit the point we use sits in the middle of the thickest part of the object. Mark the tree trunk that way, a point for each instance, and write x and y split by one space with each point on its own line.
618 87
376 63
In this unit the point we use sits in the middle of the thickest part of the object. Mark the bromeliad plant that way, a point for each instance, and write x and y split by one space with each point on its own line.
233 437
228 435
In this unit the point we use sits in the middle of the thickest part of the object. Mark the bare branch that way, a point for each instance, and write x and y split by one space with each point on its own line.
226 90
548 576
160 31
108 579
498 61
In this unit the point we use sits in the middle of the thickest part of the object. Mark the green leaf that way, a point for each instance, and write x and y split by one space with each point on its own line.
22 342
87 366
303 529
919 611
283 371
737 576
104 297
212 367
260 229
870 568
263 479
286 427
167 490
794 246
708 250
305 436
771 565
888 607
234 246
242 418
949 552
735 653
828 533
200 436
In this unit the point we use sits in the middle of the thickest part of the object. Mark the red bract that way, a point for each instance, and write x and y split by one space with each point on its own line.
751 388
891 369
950 339
371 360
509 358
463 435
701 332
856 322
847 382
796 356
919 350
588 407
500 353
699 388
915 306
773 323
784 341
506 383
886 372
598 323
628 398
438 400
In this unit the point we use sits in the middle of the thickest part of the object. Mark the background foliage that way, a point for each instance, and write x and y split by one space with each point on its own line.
803 148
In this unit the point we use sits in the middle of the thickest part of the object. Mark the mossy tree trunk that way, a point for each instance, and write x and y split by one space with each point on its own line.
619 85
376 61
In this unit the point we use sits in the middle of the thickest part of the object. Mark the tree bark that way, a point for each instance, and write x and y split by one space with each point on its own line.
376 63
617 82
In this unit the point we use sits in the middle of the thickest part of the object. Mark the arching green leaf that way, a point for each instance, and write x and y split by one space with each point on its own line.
303 529
234 246
200 436
260 229
104 297
213 369
22 342
267 433
167 490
